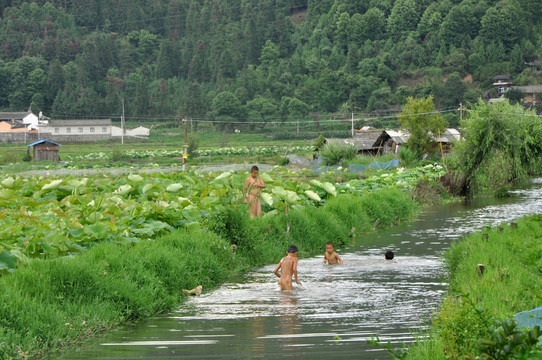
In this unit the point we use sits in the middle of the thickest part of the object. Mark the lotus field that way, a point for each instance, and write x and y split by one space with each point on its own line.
47 217
222 151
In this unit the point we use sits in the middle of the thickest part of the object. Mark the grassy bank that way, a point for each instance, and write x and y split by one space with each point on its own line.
469 323
47 305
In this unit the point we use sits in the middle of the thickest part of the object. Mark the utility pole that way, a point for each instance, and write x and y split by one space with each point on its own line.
297 127
185 149
461 111
122 122
352 124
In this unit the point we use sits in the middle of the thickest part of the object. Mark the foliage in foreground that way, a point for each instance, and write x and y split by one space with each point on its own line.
48 304
473 320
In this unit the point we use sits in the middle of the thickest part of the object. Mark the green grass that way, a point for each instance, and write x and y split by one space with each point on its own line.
47 305
511 283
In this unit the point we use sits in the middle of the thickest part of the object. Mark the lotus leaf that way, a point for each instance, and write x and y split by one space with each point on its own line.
329 188
267 198
266 178
316 183
271 213
8 182
123 189
147 187
8 261
6 194
94 217
135 178
314 196
98 230
224 175
174 187
52 185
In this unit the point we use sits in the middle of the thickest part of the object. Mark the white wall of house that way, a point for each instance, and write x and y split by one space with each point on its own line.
76 130
31 120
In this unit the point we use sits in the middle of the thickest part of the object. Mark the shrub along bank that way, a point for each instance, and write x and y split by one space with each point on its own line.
50 304
473 319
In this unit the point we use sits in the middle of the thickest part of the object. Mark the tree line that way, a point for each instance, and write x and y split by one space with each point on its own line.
257 60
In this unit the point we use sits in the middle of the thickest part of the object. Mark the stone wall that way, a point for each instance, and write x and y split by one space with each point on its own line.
74 138
18 137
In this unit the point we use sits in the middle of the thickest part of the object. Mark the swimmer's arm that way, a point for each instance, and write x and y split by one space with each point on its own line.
325 259
295 273
339 258
276 271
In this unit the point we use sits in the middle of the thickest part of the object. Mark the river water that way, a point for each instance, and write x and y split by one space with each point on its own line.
338 308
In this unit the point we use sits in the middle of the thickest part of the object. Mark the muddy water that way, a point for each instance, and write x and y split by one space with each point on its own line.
338 308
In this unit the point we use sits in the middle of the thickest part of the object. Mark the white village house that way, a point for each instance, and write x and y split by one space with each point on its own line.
76 130
25 117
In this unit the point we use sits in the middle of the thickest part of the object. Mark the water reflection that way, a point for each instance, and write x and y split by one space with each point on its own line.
336 311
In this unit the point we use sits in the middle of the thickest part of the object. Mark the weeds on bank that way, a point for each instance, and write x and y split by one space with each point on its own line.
474 319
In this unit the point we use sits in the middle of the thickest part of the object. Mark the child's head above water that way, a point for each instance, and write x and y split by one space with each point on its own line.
254 171
330 247
389 255
292 249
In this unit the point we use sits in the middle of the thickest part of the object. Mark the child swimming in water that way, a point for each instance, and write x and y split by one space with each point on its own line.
330 256
288 265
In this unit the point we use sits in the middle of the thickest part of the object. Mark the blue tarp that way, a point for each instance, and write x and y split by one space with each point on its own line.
530 319
318 167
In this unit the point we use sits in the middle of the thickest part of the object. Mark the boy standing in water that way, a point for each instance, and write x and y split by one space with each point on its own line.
288 265
331 257
253 185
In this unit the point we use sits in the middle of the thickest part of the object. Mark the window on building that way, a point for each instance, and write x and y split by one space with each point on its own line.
104 129
57 130
91 129
68 130
80 130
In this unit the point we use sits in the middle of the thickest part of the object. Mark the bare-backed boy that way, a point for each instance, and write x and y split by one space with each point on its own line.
330 256
288 267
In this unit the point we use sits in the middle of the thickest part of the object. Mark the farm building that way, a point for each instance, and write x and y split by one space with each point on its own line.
45 150
532 94
76 130
27 118
389 141
363 142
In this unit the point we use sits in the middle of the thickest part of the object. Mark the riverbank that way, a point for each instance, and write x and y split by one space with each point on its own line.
470 320
48 305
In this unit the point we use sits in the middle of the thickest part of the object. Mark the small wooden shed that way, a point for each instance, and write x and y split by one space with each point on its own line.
45 150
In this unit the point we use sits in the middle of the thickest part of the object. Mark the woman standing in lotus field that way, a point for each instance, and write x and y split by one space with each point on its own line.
252 188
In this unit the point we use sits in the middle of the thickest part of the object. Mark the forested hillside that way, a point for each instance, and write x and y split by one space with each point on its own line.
257 60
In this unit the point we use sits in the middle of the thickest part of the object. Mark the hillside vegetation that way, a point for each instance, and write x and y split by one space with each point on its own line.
257 60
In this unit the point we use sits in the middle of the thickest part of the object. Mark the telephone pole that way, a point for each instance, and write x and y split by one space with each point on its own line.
122 123
185 148
352 124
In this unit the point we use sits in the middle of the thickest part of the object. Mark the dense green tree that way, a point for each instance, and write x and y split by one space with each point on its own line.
360 52
418 117
504 23
226 109
404 17
260 111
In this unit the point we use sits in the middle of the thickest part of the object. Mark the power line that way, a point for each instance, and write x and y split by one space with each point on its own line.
274 120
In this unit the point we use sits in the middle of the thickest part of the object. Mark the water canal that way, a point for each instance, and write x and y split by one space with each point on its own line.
338 309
